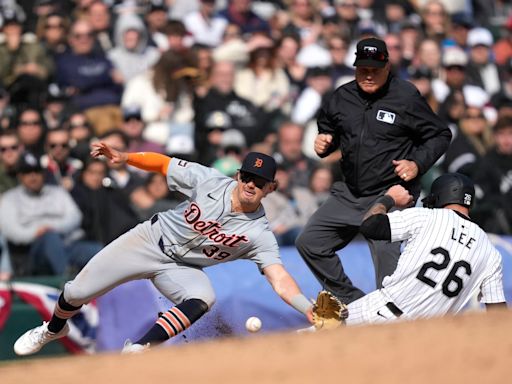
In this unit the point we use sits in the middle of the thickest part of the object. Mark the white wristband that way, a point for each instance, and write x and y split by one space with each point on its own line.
301 303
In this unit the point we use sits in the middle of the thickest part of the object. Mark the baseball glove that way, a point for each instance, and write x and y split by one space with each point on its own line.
328 311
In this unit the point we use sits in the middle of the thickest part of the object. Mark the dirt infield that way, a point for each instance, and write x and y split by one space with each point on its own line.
474 348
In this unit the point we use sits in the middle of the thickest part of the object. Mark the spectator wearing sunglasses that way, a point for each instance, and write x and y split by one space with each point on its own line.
10 150
387 135
31 131
60 167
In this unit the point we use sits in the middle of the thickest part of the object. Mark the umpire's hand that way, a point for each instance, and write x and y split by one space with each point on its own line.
322 143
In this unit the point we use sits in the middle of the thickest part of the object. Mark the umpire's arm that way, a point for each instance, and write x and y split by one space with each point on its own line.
327 121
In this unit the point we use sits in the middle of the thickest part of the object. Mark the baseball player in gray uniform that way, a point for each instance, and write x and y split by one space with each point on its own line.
446 258
222 220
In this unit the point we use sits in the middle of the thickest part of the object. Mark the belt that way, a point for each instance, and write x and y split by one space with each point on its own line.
394 309
154 219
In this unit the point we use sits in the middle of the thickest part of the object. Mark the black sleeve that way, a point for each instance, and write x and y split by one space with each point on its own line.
326 122
376 227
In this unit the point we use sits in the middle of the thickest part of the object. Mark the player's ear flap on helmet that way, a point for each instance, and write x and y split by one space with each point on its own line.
429 201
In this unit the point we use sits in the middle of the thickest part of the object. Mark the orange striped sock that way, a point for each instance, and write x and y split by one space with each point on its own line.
173 321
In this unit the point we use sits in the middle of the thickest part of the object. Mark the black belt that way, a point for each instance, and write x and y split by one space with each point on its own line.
394 309
154 219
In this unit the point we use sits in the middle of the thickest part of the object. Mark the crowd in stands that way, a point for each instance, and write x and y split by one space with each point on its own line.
208 80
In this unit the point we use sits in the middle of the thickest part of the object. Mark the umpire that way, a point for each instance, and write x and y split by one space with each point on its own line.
387 134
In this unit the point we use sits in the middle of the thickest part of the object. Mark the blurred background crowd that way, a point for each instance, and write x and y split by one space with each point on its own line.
208 80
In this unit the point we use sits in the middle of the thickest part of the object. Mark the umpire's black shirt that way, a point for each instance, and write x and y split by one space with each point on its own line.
373 129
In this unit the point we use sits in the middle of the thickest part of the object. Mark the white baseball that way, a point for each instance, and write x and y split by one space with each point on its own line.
253 324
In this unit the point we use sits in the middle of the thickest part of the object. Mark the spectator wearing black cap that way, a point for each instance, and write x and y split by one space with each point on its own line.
133 126
42 224
387 135
55 106
24 64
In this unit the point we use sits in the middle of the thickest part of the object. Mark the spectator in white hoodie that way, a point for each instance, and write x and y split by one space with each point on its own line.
132 55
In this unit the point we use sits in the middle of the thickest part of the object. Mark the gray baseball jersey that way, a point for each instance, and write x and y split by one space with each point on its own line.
203 230
446 260
171 251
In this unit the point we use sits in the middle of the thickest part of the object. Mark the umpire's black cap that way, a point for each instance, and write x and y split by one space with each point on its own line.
371 52
260 165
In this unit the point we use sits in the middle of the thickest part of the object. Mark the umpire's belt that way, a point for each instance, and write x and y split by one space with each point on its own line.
154 219
394 309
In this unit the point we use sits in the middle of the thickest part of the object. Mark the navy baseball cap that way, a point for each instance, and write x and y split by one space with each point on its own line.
28 163
371 52
259 164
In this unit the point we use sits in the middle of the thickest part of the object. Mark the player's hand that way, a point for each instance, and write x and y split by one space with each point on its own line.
103 149
309 315
322 143
406 169
401 196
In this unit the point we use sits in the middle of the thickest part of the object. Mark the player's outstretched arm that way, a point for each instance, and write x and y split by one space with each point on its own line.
148 161
375 223
288 290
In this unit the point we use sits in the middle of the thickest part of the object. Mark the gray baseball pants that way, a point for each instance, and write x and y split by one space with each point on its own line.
136 255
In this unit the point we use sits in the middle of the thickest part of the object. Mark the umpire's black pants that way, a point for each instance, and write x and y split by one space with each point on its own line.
330 229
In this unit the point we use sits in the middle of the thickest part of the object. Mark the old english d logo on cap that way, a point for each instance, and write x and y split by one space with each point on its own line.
260 165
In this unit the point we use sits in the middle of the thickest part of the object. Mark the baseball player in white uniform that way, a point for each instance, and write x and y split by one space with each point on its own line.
222 220
446 258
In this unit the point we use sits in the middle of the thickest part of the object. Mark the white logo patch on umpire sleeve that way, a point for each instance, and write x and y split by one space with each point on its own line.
385 116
